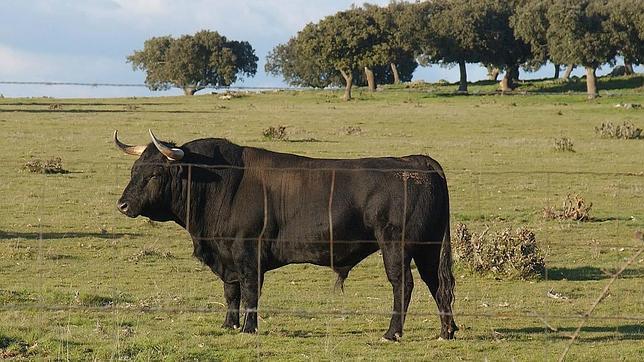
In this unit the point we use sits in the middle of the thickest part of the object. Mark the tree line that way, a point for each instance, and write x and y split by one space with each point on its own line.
370 44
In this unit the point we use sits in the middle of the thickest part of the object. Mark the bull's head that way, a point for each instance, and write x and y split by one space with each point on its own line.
149 192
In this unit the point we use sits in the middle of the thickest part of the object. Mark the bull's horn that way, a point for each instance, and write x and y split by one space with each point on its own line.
173 154
130 150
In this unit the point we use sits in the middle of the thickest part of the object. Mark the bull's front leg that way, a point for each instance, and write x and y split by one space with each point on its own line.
251 283
232 294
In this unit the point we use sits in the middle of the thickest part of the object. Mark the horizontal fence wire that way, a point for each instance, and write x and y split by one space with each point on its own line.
627 245
482 172
142 85
301 312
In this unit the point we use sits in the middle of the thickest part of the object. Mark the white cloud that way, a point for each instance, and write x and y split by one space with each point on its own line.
15 63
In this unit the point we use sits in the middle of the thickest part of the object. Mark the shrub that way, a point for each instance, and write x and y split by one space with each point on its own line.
506 253
150 253
275 133
352 130
564 144
53 165
574 208
626 131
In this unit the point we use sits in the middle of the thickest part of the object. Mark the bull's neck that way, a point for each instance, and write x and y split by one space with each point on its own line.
200 206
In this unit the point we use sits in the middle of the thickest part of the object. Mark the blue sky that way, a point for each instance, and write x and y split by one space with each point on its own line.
88 41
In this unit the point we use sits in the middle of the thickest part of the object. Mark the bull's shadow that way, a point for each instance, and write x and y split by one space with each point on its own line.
61 235
633 332
583 273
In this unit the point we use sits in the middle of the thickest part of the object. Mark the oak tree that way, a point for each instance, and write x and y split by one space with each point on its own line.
194 62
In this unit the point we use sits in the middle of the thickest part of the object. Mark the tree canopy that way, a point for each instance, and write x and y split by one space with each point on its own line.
346 48
579 32
194 62
627 27
373 44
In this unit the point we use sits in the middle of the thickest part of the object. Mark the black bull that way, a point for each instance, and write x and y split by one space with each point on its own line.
241 204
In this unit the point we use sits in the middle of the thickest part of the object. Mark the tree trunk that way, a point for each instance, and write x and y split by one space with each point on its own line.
348 78
371 80
514 73
556 71
394 71
506 83
591 83
190 91
628 68
462 84
569 70
493 73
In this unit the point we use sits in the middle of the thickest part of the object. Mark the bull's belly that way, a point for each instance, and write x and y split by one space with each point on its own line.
345 253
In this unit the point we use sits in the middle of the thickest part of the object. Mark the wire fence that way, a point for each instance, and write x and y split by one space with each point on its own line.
324 199
142 85
330 185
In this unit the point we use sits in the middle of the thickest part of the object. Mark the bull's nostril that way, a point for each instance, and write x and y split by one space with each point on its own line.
123 206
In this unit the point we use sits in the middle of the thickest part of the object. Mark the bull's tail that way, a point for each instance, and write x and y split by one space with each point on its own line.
446 281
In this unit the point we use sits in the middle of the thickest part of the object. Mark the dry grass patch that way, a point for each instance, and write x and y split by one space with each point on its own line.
150 253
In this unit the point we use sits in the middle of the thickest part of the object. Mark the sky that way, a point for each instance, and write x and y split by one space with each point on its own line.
88 40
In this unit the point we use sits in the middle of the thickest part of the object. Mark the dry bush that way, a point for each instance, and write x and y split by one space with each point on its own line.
228 95
53 165
275 133
574 208
626 131
150 253
508 254
55 107
564 144
352 130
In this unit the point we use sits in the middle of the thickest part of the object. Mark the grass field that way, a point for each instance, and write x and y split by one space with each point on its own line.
80 281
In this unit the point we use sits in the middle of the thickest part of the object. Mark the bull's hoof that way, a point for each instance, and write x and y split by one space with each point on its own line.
396 337
446 335
230 326
454 326
249 330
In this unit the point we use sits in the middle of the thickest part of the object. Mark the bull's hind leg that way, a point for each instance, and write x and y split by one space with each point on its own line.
427 259
232 293
397 265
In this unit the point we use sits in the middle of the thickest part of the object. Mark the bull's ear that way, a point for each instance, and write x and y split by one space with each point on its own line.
172 153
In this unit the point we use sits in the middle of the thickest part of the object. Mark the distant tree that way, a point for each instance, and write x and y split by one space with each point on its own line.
627 26
299 63
348 42
530 24
497 43
453 34
194 62
399 24
345 44
580 33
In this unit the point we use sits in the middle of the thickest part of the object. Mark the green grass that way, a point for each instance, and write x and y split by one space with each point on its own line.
80 281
